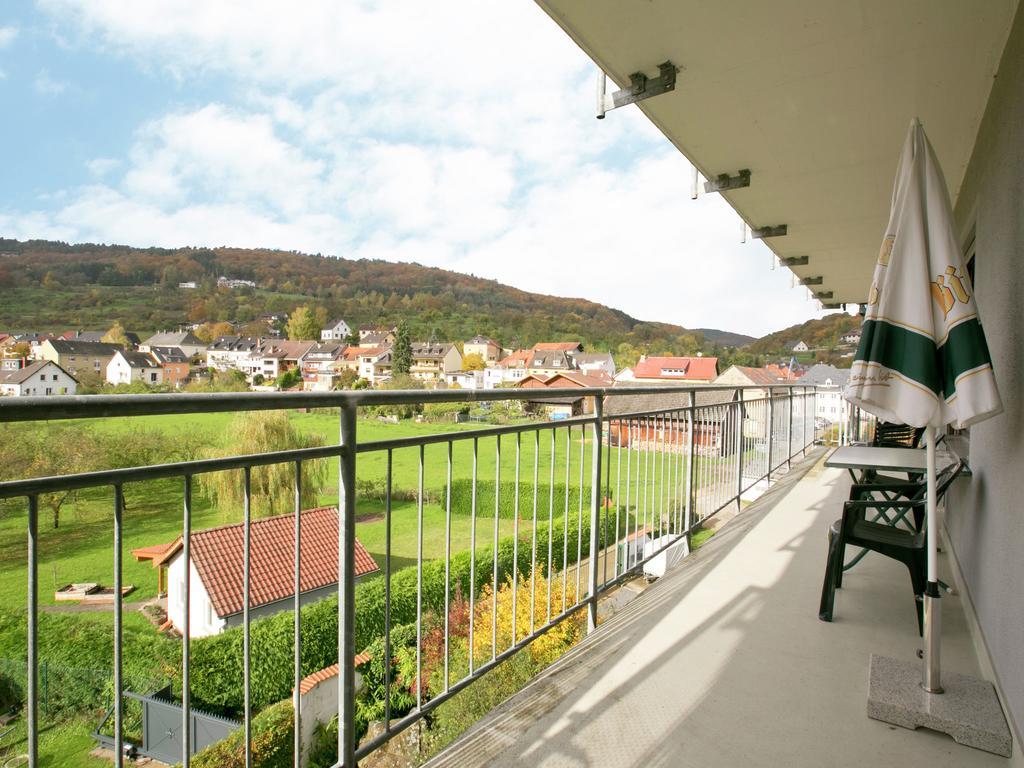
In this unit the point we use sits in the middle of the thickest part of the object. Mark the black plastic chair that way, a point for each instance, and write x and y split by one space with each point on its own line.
907 546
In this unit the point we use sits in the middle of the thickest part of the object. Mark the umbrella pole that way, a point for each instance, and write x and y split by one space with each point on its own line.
932 610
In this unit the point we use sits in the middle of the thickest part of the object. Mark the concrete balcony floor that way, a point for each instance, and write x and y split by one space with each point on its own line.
723 662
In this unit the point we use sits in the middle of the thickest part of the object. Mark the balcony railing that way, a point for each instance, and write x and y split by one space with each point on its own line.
644 480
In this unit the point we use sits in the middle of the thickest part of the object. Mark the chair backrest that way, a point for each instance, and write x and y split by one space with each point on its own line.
890 435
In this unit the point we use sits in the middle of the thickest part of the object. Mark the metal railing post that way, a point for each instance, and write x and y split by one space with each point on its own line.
803 423
771 436
346 589
33 632
596 501
739 450
789 431
118 600
690 469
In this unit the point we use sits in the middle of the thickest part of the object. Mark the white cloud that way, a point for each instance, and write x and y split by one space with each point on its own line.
409 131
47 85
7 35
101 166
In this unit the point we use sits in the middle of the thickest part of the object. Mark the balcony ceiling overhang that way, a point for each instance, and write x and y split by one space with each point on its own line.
813 96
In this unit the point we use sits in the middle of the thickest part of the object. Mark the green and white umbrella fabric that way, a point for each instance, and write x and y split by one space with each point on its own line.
923 360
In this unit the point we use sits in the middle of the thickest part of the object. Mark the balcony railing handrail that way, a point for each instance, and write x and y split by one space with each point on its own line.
55 407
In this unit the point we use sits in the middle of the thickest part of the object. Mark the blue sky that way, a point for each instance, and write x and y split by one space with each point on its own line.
459 135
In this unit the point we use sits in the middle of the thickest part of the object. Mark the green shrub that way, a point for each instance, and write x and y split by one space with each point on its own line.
216 667
272 739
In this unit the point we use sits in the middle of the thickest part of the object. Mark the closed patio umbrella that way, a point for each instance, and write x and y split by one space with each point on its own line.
922 359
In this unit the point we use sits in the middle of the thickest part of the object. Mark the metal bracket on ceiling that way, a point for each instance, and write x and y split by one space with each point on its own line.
723 181
811 280
640 87
761 232
794 261
833 306
822 295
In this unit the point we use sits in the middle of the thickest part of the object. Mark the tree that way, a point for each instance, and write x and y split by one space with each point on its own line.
272 486
401 352
346 379
116 335
305 323
473 362
208 332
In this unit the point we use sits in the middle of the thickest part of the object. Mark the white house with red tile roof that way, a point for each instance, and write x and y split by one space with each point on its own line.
216 591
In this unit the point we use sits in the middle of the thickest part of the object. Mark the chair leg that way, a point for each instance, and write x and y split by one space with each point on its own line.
839 566
918 578
828 587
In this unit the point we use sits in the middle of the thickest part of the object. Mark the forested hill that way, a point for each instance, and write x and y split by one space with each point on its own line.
52 286
820 334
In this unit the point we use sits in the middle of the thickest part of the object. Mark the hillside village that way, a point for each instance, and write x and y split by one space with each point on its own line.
366 356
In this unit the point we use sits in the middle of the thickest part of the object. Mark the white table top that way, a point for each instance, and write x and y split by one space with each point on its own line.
872 457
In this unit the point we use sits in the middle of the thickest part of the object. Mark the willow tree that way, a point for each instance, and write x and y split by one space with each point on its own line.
272 487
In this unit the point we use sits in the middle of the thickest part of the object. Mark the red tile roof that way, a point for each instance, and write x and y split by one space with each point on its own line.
693 368
558 346
217 556
309 682
517 359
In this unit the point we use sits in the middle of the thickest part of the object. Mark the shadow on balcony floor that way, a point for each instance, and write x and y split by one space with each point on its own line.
724 662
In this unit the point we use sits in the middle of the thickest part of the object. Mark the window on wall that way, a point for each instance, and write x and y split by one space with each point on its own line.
209 613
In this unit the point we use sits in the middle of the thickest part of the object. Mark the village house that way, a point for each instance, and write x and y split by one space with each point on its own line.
509 370
829 404
431 361
465 379
488 349
800 346
336 331
696 369
227 352
548 362
319 366
129 367
595 363
747 376
234 282
174 362
853 337
377 338
562 407
185 341
216 597
363 359
274 357
78 358
40 378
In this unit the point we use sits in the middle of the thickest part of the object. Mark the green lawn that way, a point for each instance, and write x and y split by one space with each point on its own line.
81 548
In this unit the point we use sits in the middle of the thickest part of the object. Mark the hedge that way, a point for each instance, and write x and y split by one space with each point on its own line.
216 668
272 738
